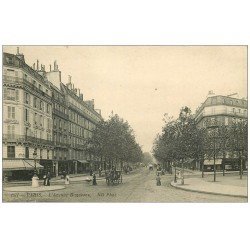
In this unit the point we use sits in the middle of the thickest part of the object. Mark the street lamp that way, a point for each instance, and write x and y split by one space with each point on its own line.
214 126
34 156
175 177
35 179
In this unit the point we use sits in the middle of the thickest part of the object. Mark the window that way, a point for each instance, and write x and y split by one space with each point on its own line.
41 153
11 112
239 111
11 151
41 120
35 102
48 108
48 123
26 115
11 131
11 94
233 110
9 60
35 119
41 105
27 98
27 152
47 153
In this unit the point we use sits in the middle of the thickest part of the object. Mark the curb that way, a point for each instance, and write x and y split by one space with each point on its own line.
207 192
32 190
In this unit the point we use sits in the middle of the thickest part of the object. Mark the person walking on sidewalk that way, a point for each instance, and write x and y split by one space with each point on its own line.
48 179
94 180
158 180
67 179
45 180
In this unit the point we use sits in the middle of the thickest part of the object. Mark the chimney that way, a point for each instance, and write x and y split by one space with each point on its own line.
17 51
34 66
81 97
69 81
55 65
37 64
78 92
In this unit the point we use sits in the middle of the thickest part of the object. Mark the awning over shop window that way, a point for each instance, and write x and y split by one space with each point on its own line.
20 165
211 162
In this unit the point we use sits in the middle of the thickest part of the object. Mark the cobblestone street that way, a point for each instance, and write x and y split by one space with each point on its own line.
139 186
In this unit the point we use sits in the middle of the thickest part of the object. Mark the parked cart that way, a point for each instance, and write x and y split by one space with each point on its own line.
113 177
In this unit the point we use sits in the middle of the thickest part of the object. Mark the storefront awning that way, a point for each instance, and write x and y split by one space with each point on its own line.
211 162
83 161
20 165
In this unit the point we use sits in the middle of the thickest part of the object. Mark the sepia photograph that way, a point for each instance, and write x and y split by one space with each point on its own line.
133 124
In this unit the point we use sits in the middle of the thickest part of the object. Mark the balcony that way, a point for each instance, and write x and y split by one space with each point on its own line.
223 113
19 80
23 138
62 144
59 113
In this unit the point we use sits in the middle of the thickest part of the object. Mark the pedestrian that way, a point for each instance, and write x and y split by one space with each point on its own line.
48 179
100 171
158 180
45 180
64 174
94 180
91 172
179 174
67 179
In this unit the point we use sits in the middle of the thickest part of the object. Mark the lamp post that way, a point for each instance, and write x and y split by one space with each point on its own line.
34 156
175 177
35 179
214 126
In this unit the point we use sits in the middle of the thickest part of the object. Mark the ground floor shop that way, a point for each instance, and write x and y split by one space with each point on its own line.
227 164
21 169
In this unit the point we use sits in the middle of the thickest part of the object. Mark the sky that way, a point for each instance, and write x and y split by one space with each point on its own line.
142 83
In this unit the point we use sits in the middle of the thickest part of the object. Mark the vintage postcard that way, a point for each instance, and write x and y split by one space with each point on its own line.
124 124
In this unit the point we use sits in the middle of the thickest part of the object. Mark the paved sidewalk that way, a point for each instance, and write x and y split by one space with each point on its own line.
230 186
55 180
33 189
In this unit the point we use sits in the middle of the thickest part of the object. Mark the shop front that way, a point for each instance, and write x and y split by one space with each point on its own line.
20 169
209 165
82 166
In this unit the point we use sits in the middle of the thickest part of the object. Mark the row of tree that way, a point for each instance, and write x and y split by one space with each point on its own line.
113 143
182 140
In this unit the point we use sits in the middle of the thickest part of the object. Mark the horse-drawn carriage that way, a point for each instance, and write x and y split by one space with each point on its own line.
113 177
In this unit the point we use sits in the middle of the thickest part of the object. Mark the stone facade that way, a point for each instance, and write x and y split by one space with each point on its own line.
42 115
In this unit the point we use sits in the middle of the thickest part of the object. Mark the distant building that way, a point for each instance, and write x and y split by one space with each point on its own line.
223 110
44 121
